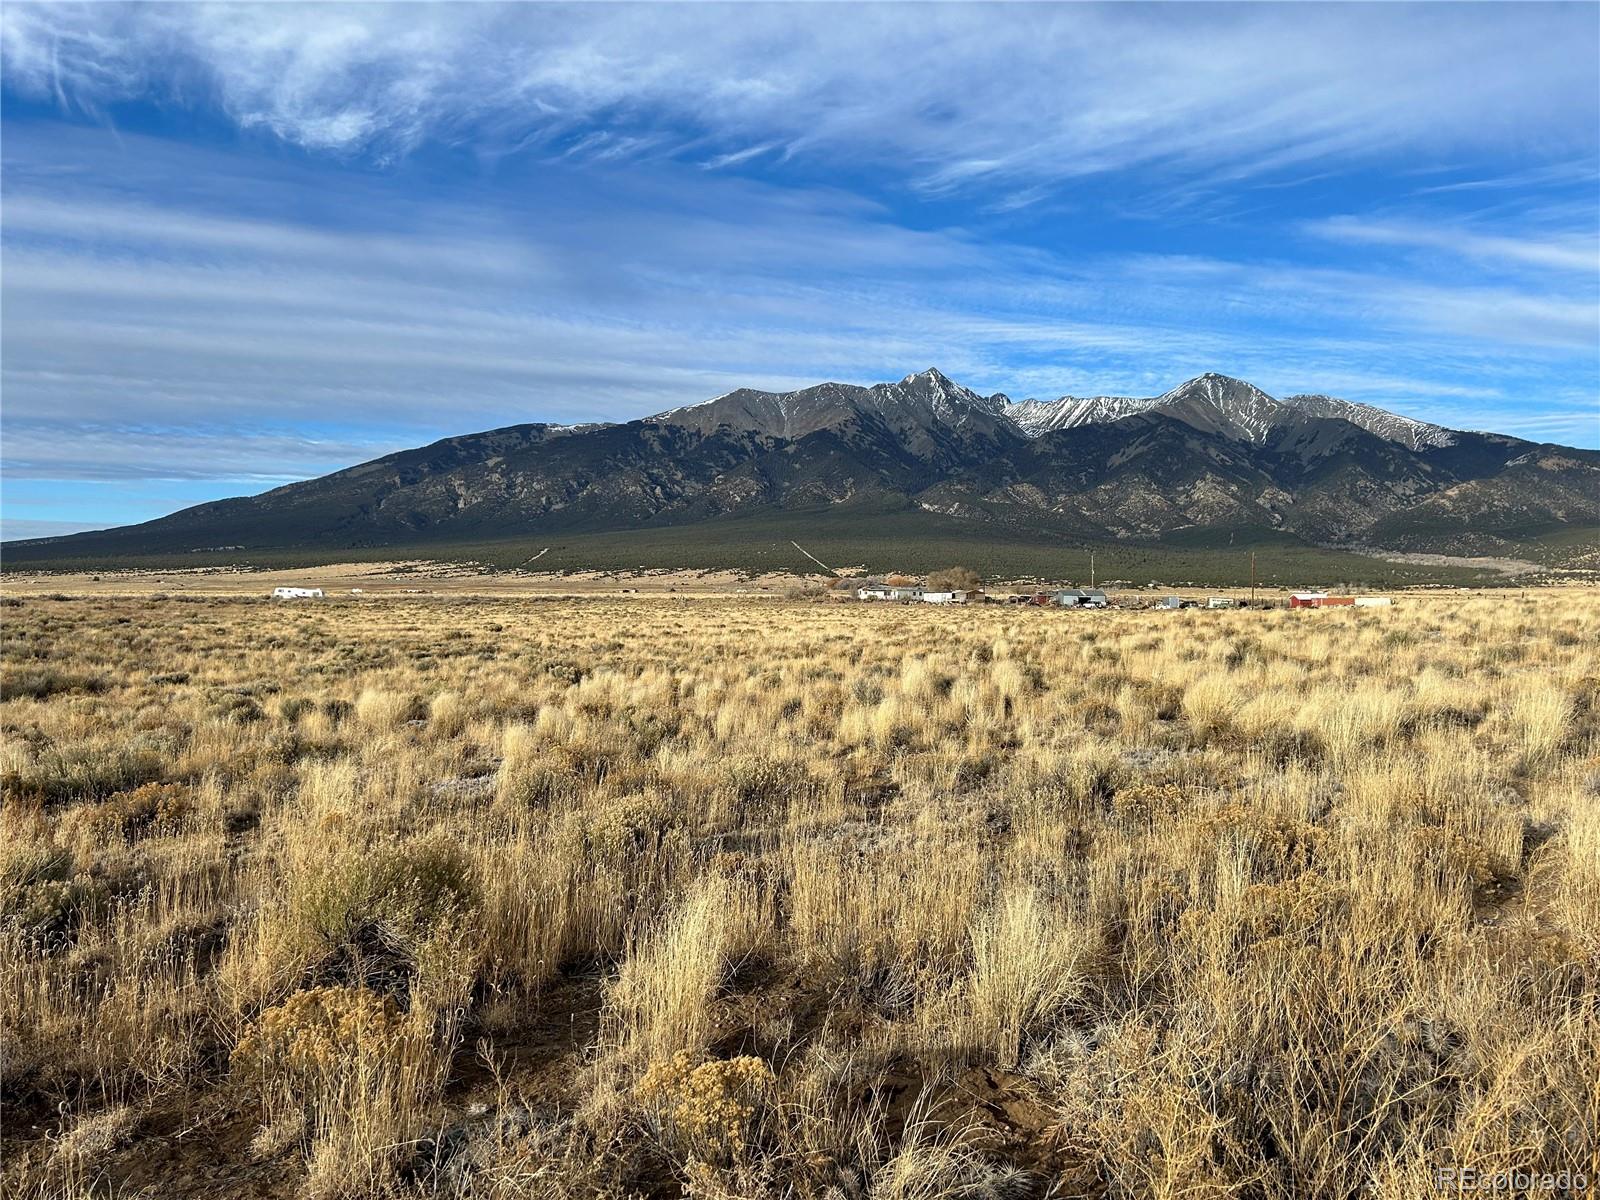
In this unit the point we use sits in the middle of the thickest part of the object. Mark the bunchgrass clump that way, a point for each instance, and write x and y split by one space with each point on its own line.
501 897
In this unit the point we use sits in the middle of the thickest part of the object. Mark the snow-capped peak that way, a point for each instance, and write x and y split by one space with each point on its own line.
1212 403
1222 404
947 400
1036 417
1406 430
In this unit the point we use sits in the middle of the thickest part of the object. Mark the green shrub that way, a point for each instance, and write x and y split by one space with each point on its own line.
410 889
82 772
40 683
48 912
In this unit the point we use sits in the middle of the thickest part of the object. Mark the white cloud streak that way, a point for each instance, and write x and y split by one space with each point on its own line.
950 94
176 314
119 317
1578 253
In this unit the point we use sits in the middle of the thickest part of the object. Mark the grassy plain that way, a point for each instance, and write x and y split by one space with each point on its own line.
509 897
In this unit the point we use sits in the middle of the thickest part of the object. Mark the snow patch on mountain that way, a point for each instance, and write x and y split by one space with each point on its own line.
1036 417
929 399
1220 404
1212 402
1408 431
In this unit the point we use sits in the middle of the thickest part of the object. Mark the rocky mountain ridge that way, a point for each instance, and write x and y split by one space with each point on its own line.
1211 460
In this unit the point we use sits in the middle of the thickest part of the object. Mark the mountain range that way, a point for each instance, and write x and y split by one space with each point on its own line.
1212 460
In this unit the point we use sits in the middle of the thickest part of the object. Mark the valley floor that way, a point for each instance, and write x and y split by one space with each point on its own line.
364 582
506 896
402 578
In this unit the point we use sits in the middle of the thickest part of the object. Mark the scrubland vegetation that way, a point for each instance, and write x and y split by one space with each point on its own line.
495 899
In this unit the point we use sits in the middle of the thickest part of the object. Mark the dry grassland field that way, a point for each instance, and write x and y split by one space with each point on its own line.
752 898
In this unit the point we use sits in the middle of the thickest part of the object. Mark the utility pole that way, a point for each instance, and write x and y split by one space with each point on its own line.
1252 579
1091 568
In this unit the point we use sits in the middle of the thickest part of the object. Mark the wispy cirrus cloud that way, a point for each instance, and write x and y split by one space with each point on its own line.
247 243
438 316
950 95
110 452
1577 252
1578 172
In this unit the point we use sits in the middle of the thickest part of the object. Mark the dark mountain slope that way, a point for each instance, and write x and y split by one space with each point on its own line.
501 482
1213 458
1139 477
1543 490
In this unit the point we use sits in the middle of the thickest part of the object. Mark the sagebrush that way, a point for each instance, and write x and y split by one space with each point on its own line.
755 898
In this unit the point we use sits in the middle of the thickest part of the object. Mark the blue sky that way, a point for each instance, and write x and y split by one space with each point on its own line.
249 244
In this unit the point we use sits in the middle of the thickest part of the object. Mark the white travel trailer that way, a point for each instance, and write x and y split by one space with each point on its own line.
957 597
1373 602
296 593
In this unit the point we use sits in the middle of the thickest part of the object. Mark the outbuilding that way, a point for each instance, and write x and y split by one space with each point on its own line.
1067 598
955 597
1170 602
1319 600
1094 598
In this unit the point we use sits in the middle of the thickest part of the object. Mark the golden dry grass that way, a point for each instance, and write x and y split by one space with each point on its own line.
511 898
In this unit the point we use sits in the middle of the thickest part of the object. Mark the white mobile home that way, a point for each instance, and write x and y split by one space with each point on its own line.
956 597
296 593
889 591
